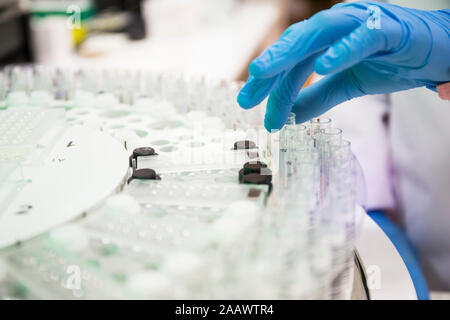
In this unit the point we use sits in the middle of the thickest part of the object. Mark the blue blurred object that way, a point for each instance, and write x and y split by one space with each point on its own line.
363 48
406 251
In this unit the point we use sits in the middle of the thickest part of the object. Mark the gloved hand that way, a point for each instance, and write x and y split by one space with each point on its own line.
363 48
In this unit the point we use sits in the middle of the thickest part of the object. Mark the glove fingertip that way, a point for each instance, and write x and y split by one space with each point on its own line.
322 67
244 101
253 69
272 124
267 125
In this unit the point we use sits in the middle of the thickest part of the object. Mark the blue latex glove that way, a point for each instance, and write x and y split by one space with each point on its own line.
363 48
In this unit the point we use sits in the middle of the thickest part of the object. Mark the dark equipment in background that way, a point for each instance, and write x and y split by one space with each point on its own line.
15 39
14 34
136 26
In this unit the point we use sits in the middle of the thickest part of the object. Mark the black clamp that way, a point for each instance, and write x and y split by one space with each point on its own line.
141 152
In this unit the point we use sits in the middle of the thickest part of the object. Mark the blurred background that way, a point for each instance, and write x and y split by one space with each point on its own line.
213 38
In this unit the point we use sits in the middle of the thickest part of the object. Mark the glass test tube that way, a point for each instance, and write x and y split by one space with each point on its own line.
317 124
42 87
3 88
85 85
108 97
18 87
287 133
62 85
